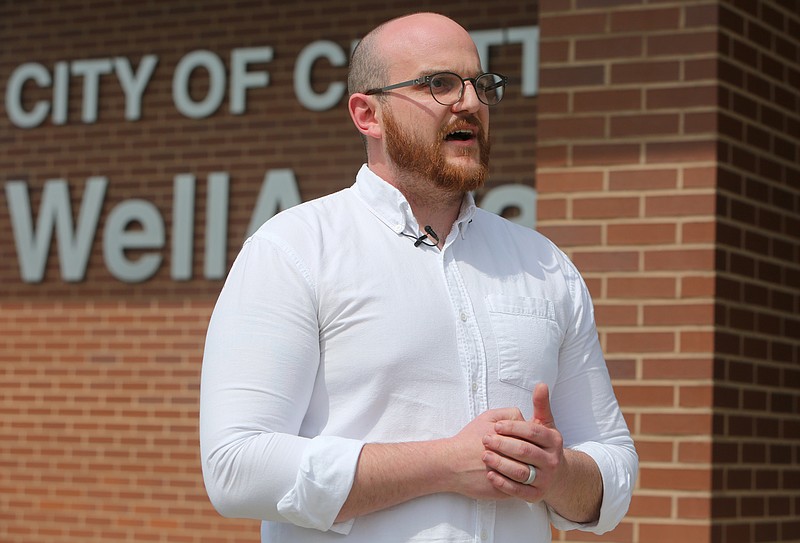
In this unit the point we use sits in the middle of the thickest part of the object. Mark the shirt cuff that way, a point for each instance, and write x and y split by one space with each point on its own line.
618 481
324 480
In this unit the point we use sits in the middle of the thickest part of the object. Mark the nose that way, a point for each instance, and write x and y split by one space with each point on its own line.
469 99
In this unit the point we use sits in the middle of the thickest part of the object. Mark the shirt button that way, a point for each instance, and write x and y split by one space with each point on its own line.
474 386
484 535
463 316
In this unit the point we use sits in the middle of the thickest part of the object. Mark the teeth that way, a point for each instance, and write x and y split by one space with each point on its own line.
460 134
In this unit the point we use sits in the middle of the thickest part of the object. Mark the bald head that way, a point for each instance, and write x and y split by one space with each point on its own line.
400 40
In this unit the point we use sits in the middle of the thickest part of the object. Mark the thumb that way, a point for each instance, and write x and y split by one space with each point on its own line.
541 406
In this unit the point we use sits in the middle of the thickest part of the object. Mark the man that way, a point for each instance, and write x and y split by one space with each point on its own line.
390 362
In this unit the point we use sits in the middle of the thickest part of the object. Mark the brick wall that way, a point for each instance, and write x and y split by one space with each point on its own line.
667 167
99 378
757 377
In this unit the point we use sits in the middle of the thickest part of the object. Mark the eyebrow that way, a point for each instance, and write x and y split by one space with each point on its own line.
432 71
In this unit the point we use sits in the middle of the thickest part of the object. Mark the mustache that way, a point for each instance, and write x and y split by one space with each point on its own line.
468 122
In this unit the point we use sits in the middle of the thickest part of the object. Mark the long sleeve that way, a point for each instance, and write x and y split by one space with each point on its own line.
259 369
587 412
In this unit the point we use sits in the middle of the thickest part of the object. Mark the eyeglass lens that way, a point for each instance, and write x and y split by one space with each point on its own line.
447 88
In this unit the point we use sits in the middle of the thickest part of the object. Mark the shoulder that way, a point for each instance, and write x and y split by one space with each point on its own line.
314 216
528 244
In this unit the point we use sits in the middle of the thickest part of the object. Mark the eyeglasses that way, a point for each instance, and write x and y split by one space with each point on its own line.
447 88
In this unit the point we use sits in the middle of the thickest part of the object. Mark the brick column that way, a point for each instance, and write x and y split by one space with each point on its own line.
757 376
626 176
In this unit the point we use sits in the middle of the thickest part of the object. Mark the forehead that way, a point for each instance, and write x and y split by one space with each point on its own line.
429 46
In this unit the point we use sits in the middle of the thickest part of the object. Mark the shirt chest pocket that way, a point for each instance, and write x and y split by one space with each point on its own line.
528 339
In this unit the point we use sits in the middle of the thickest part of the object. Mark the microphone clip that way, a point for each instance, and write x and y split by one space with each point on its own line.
428 232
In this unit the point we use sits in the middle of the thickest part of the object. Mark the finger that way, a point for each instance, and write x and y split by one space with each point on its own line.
532 432
504 413
512 488
516 471
516 449
541 406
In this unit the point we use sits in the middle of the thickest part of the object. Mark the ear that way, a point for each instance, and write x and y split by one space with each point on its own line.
363 111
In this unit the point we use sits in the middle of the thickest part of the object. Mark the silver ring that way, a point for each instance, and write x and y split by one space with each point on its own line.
531 476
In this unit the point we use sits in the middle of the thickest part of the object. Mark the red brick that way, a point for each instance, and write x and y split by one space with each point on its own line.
645 20
599 261
551 156
644 125
616 315
704 122
572 235
695 452
685 260
554 51
700 177
571 76
653 449
548 208
696 396
569 181
675 479
679 315
645 72
669 533
680 151
698 232
697 342
675 424
697 287
637 287
650 506
640 342
677 368
595 208
643 179
683 43
572 25
605 154
554 6
572 128
641 234
638 395
694 508
550 103
681 97
608 48
607 100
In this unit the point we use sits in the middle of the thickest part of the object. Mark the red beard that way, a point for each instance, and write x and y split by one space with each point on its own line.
427 161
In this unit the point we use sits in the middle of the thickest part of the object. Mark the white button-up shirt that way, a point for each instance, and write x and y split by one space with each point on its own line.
334 330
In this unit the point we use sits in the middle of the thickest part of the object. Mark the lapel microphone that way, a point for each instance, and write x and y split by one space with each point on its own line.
428 232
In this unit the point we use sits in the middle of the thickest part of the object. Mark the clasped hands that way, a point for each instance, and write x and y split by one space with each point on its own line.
510 444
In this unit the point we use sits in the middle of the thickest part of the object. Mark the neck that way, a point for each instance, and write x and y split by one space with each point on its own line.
435 208
432 206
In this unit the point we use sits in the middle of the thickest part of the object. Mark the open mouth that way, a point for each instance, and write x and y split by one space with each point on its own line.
460 135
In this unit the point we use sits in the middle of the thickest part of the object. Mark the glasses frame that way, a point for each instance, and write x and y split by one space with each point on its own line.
427 79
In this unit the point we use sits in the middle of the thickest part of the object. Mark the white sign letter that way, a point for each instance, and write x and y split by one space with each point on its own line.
91 70
302 75
54 212
117 239
183 186
17 115
528 36
214 265
521 197
241 79
216 84
134 85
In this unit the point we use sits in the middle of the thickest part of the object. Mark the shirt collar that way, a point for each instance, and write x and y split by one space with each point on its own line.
390 206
